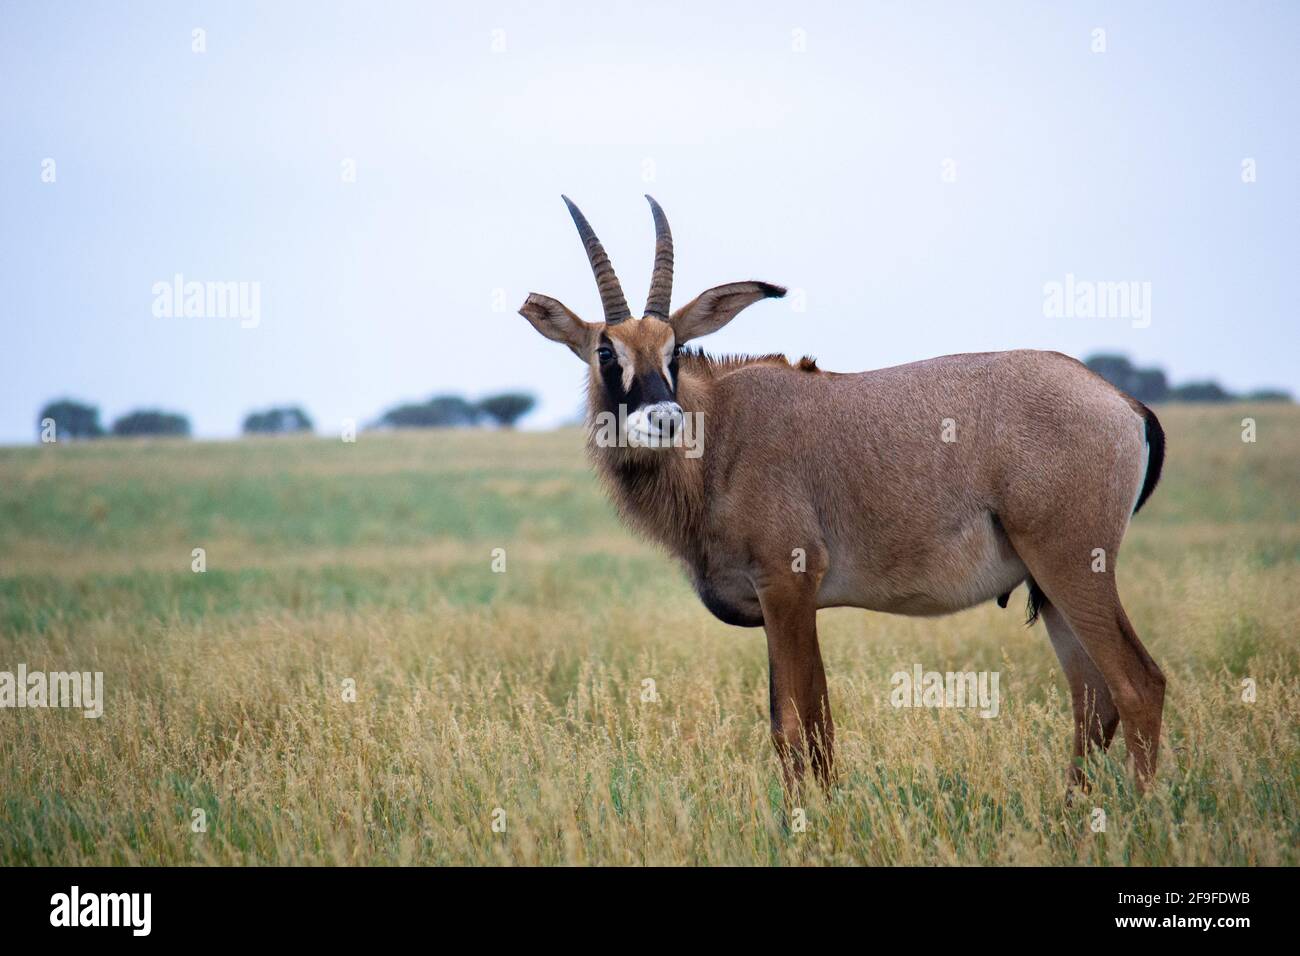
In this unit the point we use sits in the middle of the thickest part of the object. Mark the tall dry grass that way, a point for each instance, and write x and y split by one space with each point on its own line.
519 696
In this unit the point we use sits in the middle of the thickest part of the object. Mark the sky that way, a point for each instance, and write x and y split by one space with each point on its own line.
387 177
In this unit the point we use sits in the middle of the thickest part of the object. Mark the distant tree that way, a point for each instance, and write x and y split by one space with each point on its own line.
1149 385
72 419
506 409
1115 369
1144 384
1200 392
452 411
407 416
277 421
1268 395
152 422
441 411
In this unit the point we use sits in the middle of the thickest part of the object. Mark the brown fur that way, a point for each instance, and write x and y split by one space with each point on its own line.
853 472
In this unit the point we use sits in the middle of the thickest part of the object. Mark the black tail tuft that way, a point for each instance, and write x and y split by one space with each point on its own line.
1155 456
1036 601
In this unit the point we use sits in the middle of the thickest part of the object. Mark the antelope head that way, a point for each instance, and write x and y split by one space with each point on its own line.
633 362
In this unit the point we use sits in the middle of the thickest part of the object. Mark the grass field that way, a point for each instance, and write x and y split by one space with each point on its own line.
521 691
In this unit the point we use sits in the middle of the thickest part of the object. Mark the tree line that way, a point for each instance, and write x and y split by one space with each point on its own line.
73 419
69 418
1151 385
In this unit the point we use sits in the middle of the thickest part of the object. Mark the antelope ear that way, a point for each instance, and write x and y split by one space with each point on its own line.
711 310
551 318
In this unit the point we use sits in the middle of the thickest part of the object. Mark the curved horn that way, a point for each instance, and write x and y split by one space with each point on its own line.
611 293
661 280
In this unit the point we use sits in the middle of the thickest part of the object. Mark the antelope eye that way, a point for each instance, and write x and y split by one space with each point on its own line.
605 354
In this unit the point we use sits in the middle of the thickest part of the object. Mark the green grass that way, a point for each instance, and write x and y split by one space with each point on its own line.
522 691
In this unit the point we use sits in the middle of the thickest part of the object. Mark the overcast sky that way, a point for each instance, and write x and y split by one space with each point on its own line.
917 171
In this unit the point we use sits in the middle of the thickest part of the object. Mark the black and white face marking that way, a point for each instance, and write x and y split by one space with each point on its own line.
638 371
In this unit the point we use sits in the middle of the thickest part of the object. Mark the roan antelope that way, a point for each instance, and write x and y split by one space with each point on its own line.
1048 464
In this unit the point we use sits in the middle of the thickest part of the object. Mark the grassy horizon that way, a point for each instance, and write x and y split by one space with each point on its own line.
522 691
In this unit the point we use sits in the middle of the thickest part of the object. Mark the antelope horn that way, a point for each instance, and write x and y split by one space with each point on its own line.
611 293
661 280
